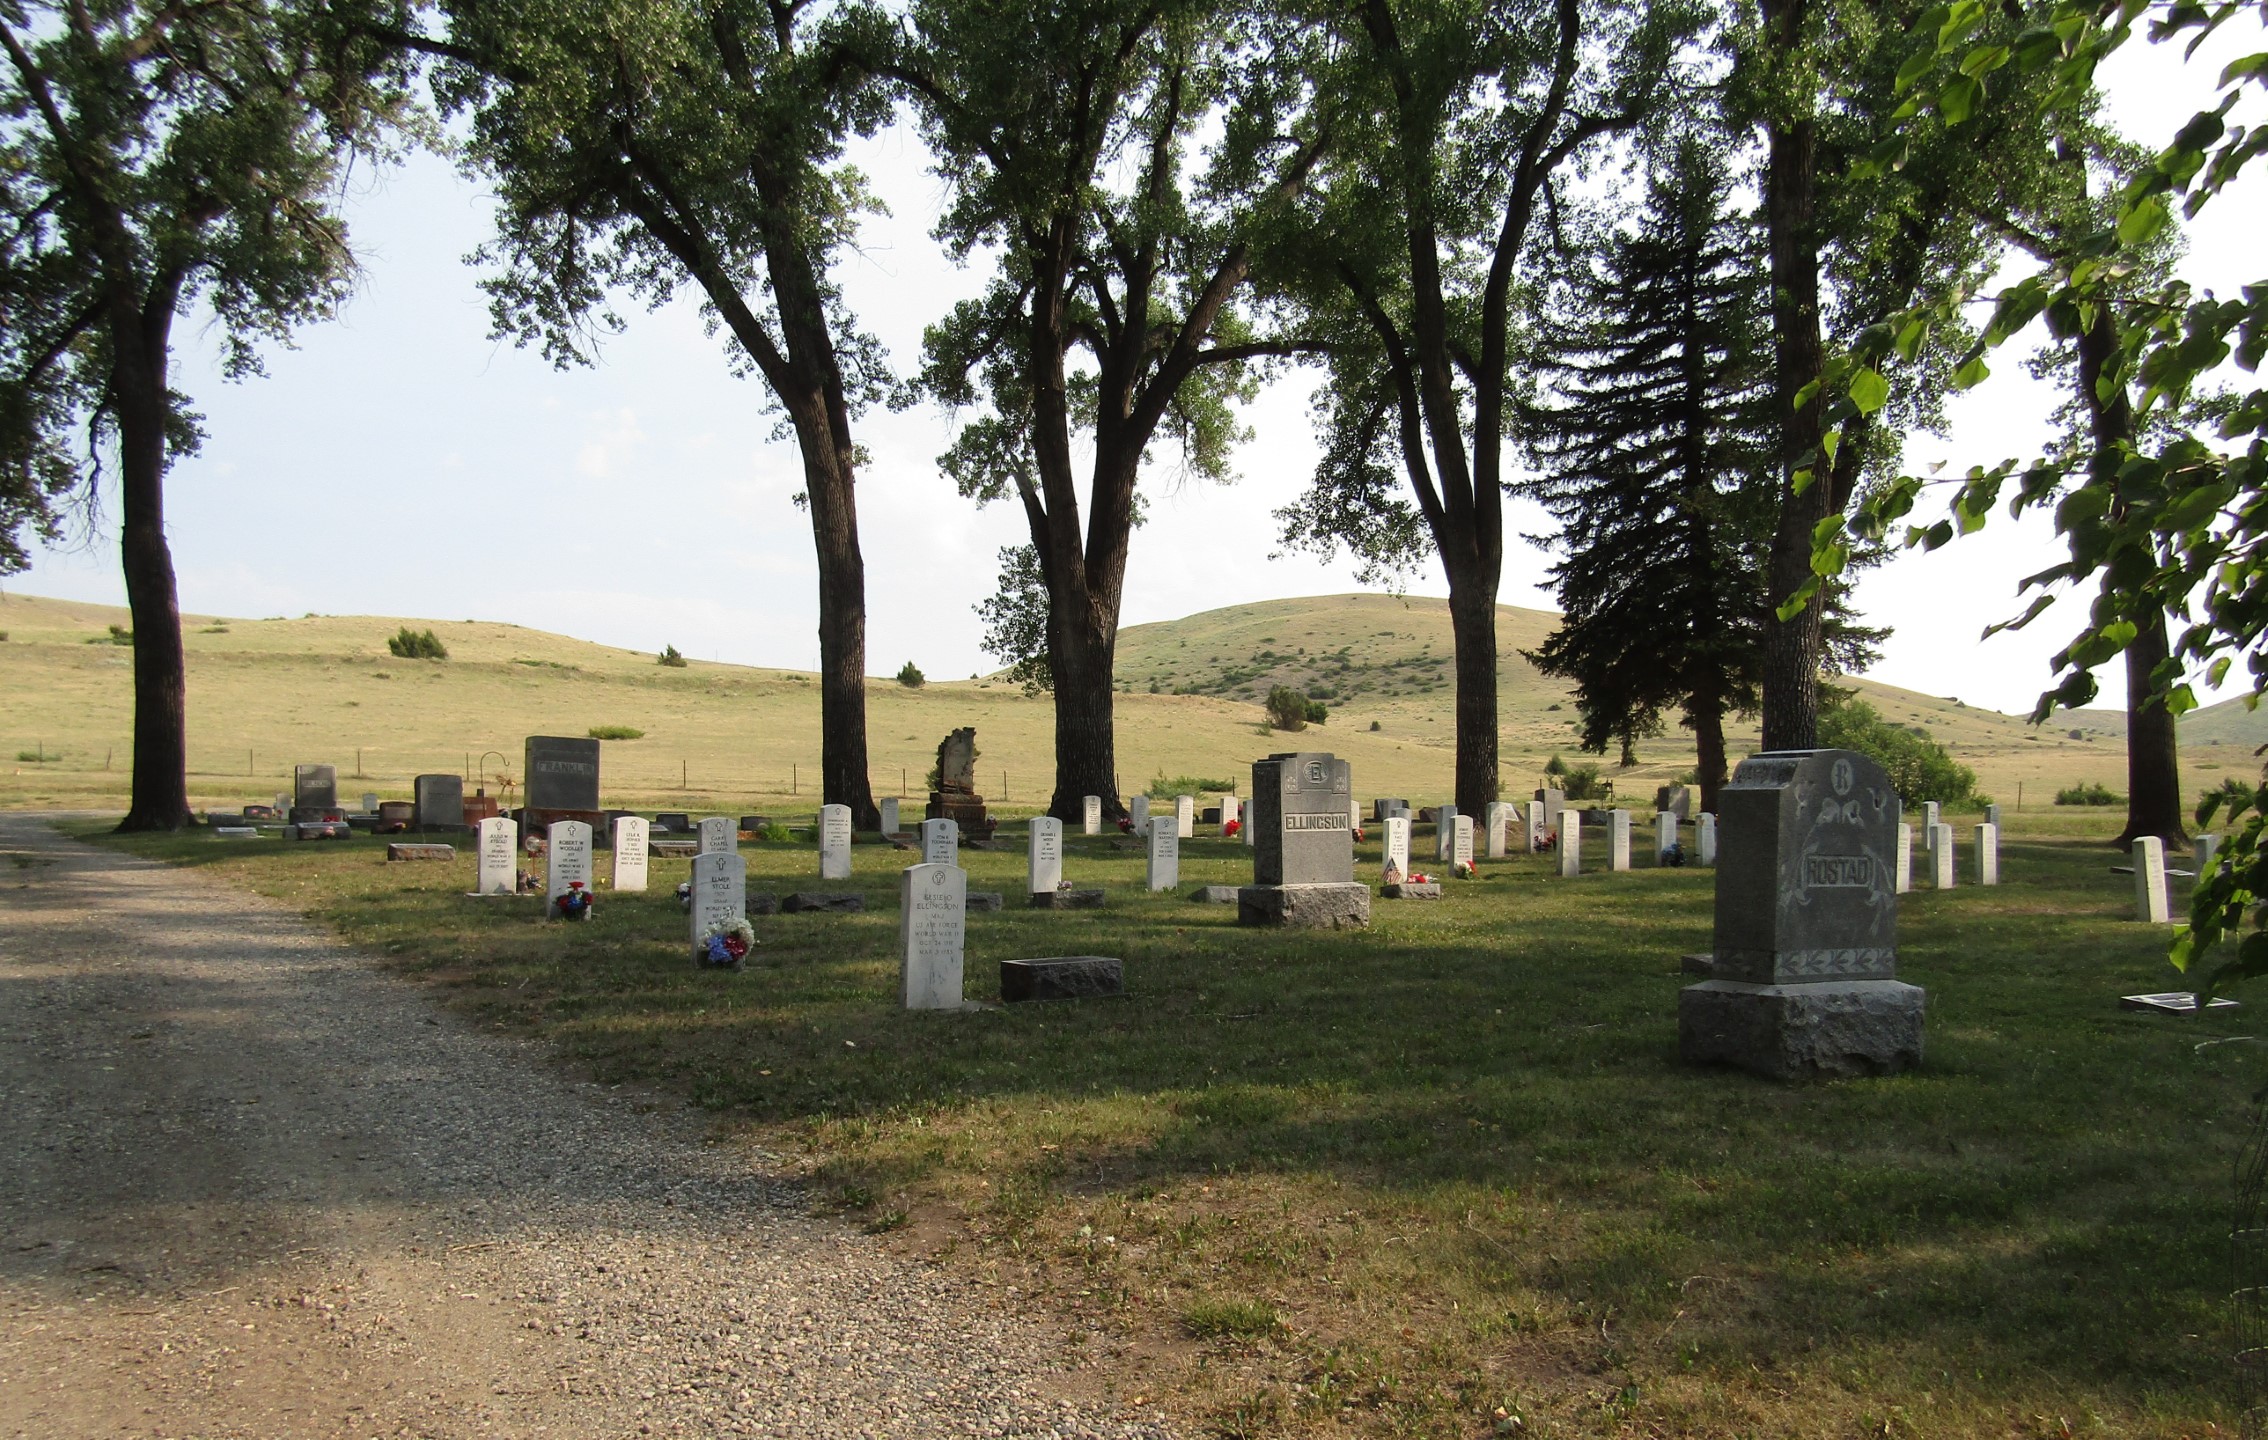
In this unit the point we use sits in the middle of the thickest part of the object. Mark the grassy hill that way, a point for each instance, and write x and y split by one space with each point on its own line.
266 694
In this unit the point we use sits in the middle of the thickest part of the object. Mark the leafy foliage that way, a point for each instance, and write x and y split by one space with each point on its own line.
1920 769
1287 708
670 657
1166 787
2091 793
910 676
1015 620
616 732
408 644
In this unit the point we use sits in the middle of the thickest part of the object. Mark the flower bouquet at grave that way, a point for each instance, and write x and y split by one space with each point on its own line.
1235 828
727 944
575 904
1674 855
1126 824
685 896
1417 877
1546 839
1464 870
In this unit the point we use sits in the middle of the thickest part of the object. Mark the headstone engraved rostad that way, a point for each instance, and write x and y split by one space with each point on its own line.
940 842
834 842
499 858
630 854
440 801
1164 869
932 924
1303 845
1804 973
1043 853
720 892
567 861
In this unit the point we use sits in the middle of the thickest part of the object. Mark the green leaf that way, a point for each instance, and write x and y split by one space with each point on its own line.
1910 339
1869 391
1960 98
1918 64
2145 219
1972 373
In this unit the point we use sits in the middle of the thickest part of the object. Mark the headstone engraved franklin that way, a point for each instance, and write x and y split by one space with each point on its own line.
1303 845
630 852
499 858
834 842
932 922
562 780
1804 976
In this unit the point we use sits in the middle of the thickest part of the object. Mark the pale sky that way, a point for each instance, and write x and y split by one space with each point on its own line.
400 463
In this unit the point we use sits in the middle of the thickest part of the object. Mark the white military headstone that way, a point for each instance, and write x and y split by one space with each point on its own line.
629 853
1139 810
369 802
1553 802
1941 858
1090 815
2208 849
499 857
1534 825
1988 854
1444 833
834 842
933 917
568 859
1354 816
1397 846
1185 816
1570 843
1165 856
941 843
1992 816
1251 832
1705 836
1044 854
1618 839
1232 812
1497 822
1905 877
2150 905
1929 822
1461 840
720 891
1665 832
719 832
283 804
890 816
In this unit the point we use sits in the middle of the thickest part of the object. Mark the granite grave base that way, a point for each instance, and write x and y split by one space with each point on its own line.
1063 977
1305 907
1820 1030
1412 890
822 902
1075 899
1215 894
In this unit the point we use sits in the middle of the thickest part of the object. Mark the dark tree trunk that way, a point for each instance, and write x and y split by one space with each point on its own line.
1081 655
160 801
2153 762
1708 721
842 631
1793 648
1472 619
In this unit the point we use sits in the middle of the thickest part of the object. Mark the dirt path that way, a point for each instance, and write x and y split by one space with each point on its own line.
249 1186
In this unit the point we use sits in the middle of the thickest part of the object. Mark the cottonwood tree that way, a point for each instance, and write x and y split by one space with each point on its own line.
156 159
638 147
1120 161
1453 124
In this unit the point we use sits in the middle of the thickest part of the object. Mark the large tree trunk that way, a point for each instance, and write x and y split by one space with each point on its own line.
1472 619
161 682
1707 718
2153 764
1082 647
1793 648
842 632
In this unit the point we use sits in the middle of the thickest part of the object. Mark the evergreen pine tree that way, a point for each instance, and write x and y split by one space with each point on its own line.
1653 451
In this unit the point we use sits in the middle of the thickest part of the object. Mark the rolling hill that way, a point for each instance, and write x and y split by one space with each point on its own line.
265 694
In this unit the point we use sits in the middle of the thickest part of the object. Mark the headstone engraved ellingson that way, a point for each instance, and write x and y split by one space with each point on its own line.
1303 845
1804 975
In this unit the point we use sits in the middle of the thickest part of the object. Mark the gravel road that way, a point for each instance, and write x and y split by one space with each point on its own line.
251 1186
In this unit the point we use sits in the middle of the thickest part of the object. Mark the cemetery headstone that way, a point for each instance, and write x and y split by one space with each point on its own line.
562 779
1618 839
1303 845
674 822
369 802
718 833
1497 820
440 801
955 797
890 816
283 804
1705 837
499 872
1044 855
1461 840
1553 801
1090 815
1665 832
1232 810
1532 826
1992 816
1988 854
1804 974
1185 816
834 842
1444 833
941 844
932 928
630 856
1929 821
1570 844
1905 859
1675 800
2150 905
720 893
2207 850
1941 858
1139 810
315 787
1165 856
567 862
1250 839
1397 848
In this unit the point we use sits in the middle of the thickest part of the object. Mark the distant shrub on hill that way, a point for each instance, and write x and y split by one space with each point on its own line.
2094 794
910 676
617 732
1165 787
408 644
1919 768
1287 708
670 657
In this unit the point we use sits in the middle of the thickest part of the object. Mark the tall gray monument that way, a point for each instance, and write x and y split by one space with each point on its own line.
1302 845
1805 979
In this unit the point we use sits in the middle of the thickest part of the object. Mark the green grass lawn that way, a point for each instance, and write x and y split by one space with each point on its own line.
1398 1182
